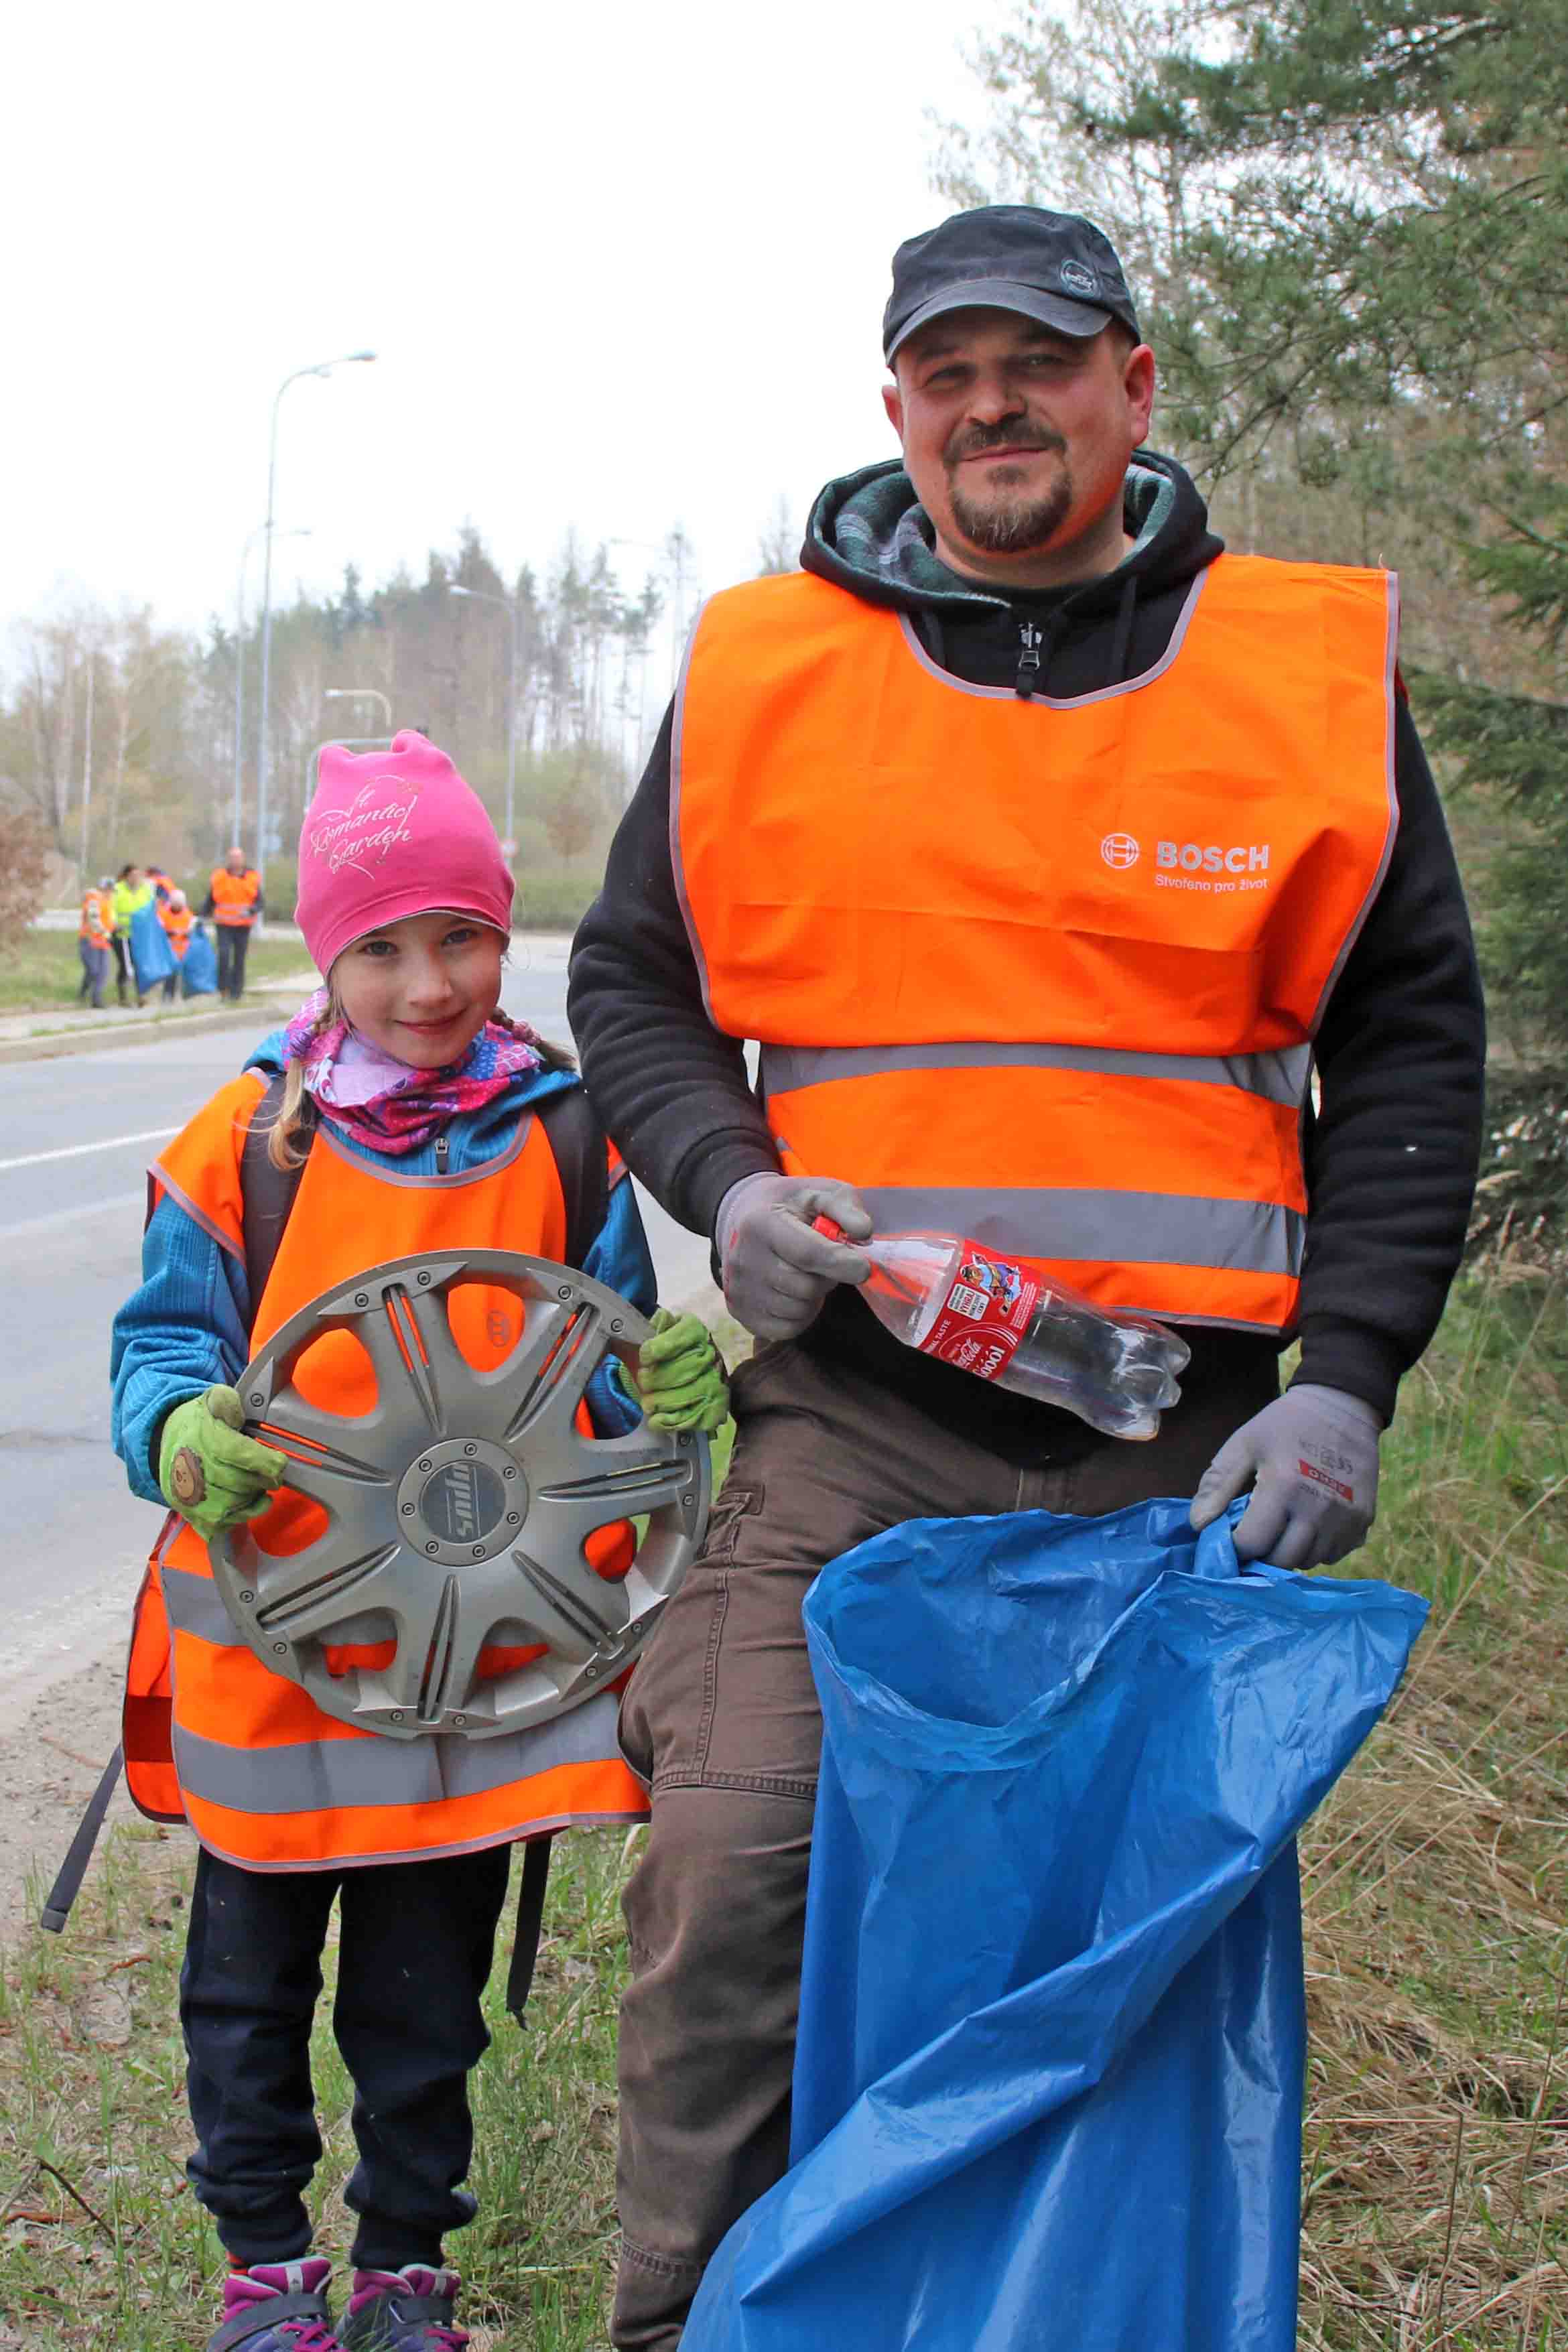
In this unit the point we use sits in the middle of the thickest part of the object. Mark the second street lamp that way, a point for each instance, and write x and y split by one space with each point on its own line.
301 530
322 367
508 604
359 694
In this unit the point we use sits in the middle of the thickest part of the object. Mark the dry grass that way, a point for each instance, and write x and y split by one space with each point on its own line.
1437 1881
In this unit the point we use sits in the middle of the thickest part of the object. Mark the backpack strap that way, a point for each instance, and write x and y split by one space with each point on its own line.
266 1192
529 1925
73 1870
582 1162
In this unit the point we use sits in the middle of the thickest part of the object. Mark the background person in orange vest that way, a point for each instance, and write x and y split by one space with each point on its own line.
424 1136
234 901
174 914
95 937
1046 849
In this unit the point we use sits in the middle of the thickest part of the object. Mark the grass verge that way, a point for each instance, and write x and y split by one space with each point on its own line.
43 973
1436 1904
1436 1878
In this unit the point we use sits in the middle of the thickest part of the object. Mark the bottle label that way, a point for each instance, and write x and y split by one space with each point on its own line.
989 1306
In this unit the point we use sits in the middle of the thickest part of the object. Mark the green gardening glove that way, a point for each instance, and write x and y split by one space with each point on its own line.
679 1378
209 1472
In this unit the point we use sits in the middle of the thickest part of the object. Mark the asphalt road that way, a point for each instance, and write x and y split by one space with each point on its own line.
76 1137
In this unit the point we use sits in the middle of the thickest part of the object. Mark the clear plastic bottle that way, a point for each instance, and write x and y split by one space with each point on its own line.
1006 1322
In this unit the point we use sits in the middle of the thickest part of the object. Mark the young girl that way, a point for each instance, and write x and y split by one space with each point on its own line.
424 1138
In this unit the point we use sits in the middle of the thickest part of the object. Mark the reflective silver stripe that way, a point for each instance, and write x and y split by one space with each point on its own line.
310 1776
195 1606
1116 1228
677 781
1280 1078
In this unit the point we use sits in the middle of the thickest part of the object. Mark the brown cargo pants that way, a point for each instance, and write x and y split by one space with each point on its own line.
721 1720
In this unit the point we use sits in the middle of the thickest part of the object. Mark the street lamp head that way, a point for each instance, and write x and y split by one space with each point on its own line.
362 355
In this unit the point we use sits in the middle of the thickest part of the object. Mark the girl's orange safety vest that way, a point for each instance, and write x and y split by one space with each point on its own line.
178 922
264 1777
96 924
1044 973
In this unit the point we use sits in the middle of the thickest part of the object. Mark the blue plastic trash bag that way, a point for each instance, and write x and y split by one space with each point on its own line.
198 972
1047 2091
151 954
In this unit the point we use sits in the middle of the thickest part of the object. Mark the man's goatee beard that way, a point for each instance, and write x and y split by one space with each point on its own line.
1018 525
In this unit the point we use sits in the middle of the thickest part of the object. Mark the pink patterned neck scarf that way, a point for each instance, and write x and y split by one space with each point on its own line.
386 1106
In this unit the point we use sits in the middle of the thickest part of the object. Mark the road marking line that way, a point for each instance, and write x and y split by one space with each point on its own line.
98 1207
75 1150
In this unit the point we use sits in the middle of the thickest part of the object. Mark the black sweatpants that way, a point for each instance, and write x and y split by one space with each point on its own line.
416 1940
232 940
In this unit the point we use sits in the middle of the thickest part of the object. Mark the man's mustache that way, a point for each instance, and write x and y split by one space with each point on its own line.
975 439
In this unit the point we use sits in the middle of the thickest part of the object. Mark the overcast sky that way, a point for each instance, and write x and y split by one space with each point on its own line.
620 264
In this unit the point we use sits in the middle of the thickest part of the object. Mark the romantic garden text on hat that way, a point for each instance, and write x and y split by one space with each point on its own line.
392 834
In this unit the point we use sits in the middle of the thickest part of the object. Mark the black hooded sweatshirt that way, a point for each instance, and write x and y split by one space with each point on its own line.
1393 1149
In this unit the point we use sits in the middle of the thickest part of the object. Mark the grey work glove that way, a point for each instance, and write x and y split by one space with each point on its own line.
1311 1459
775 1271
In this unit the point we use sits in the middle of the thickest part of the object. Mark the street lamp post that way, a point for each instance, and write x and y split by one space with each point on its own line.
674 556
323 367
301 532
508 604
359 694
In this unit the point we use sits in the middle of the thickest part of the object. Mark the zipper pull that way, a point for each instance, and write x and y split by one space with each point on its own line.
441 1151
1028 661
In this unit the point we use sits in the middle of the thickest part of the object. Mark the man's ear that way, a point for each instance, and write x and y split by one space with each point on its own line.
893 402
1139 382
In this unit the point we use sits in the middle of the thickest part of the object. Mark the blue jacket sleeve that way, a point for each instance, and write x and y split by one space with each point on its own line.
619 1257
184 1330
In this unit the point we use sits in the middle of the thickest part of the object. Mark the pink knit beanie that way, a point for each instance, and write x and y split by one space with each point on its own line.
391 834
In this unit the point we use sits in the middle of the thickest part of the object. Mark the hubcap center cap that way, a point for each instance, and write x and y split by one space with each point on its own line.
461 1500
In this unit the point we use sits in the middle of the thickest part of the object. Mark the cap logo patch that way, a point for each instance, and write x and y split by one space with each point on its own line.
1078 277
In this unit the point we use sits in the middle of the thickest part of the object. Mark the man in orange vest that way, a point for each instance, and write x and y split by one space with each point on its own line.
1050 853
234 901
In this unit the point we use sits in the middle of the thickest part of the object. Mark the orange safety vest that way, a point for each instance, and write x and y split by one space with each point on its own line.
96 924
234 895
263 1776
177 921
1045 974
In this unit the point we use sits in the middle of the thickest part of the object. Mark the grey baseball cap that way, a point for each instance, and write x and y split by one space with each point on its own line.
1057 268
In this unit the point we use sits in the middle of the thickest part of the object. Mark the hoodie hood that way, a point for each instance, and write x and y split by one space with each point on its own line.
869 534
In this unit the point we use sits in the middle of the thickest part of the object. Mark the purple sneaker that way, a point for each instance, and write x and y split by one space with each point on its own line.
410 2310
276 2307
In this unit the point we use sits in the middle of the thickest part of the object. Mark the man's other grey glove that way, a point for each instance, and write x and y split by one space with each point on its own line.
1311 1459
775 1271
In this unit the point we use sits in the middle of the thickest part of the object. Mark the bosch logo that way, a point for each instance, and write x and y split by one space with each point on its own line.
1118 849
1197 857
